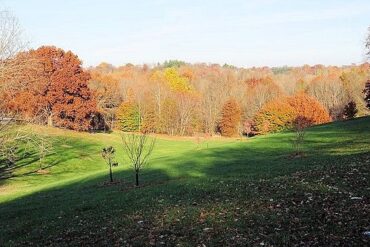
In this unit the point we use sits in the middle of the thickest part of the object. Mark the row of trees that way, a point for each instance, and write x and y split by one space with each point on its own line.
189 99
49 86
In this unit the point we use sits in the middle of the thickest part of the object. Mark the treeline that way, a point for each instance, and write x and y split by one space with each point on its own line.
183 99
49 86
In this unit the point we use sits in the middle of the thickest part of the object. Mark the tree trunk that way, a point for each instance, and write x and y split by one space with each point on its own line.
50 120
137 178
110 173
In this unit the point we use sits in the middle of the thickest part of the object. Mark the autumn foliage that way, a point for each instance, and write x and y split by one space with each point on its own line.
56 90
280 114
274 116
128 116
49 86
308 107
230 118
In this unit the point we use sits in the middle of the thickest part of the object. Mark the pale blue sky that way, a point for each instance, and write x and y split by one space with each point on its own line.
243 33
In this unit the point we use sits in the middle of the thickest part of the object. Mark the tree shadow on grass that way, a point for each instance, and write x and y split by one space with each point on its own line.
28 164
84 210
194 181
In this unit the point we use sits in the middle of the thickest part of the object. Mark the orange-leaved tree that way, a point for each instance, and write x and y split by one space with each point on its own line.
274 116
230 118
57 90
279 114
308 107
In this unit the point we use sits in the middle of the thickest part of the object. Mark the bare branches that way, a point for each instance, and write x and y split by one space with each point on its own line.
7 130
300 124
12 75
45 147
138 148
16 69
17 141
367 43
11 41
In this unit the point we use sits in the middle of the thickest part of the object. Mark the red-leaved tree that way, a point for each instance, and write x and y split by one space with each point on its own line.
58 91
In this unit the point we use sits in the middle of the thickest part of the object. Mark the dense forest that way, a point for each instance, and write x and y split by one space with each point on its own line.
49 86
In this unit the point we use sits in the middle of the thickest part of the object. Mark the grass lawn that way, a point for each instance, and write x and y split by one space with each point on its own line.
224 192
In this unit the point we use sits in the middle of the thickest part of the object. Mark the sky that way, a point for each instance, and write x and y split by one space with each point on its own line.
242 33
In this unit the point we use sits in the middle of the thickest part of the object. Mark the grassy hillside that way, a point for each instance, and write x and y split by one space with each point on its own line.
218 192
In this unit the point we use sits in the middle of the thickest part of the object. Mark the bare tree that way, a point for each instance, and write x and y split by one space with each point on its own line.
45 147
367 43
330 92
17 140
211 103
187 105
300 124
11 33
11 43
7 151
138 148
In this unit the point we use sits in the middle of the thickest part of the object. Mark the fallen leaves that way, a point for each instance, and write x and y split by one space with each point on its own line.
317 207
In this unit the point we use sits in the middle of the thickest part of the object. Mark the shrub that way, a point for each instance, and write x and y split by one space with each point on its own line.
249 128
350 110
97 122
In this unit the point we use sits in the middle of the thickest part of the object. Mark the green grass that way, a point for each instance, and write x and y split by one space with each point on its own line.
220 192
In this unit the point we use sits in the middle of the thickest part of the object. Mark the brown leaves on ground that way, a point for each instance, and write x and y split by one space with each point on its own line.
319 207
